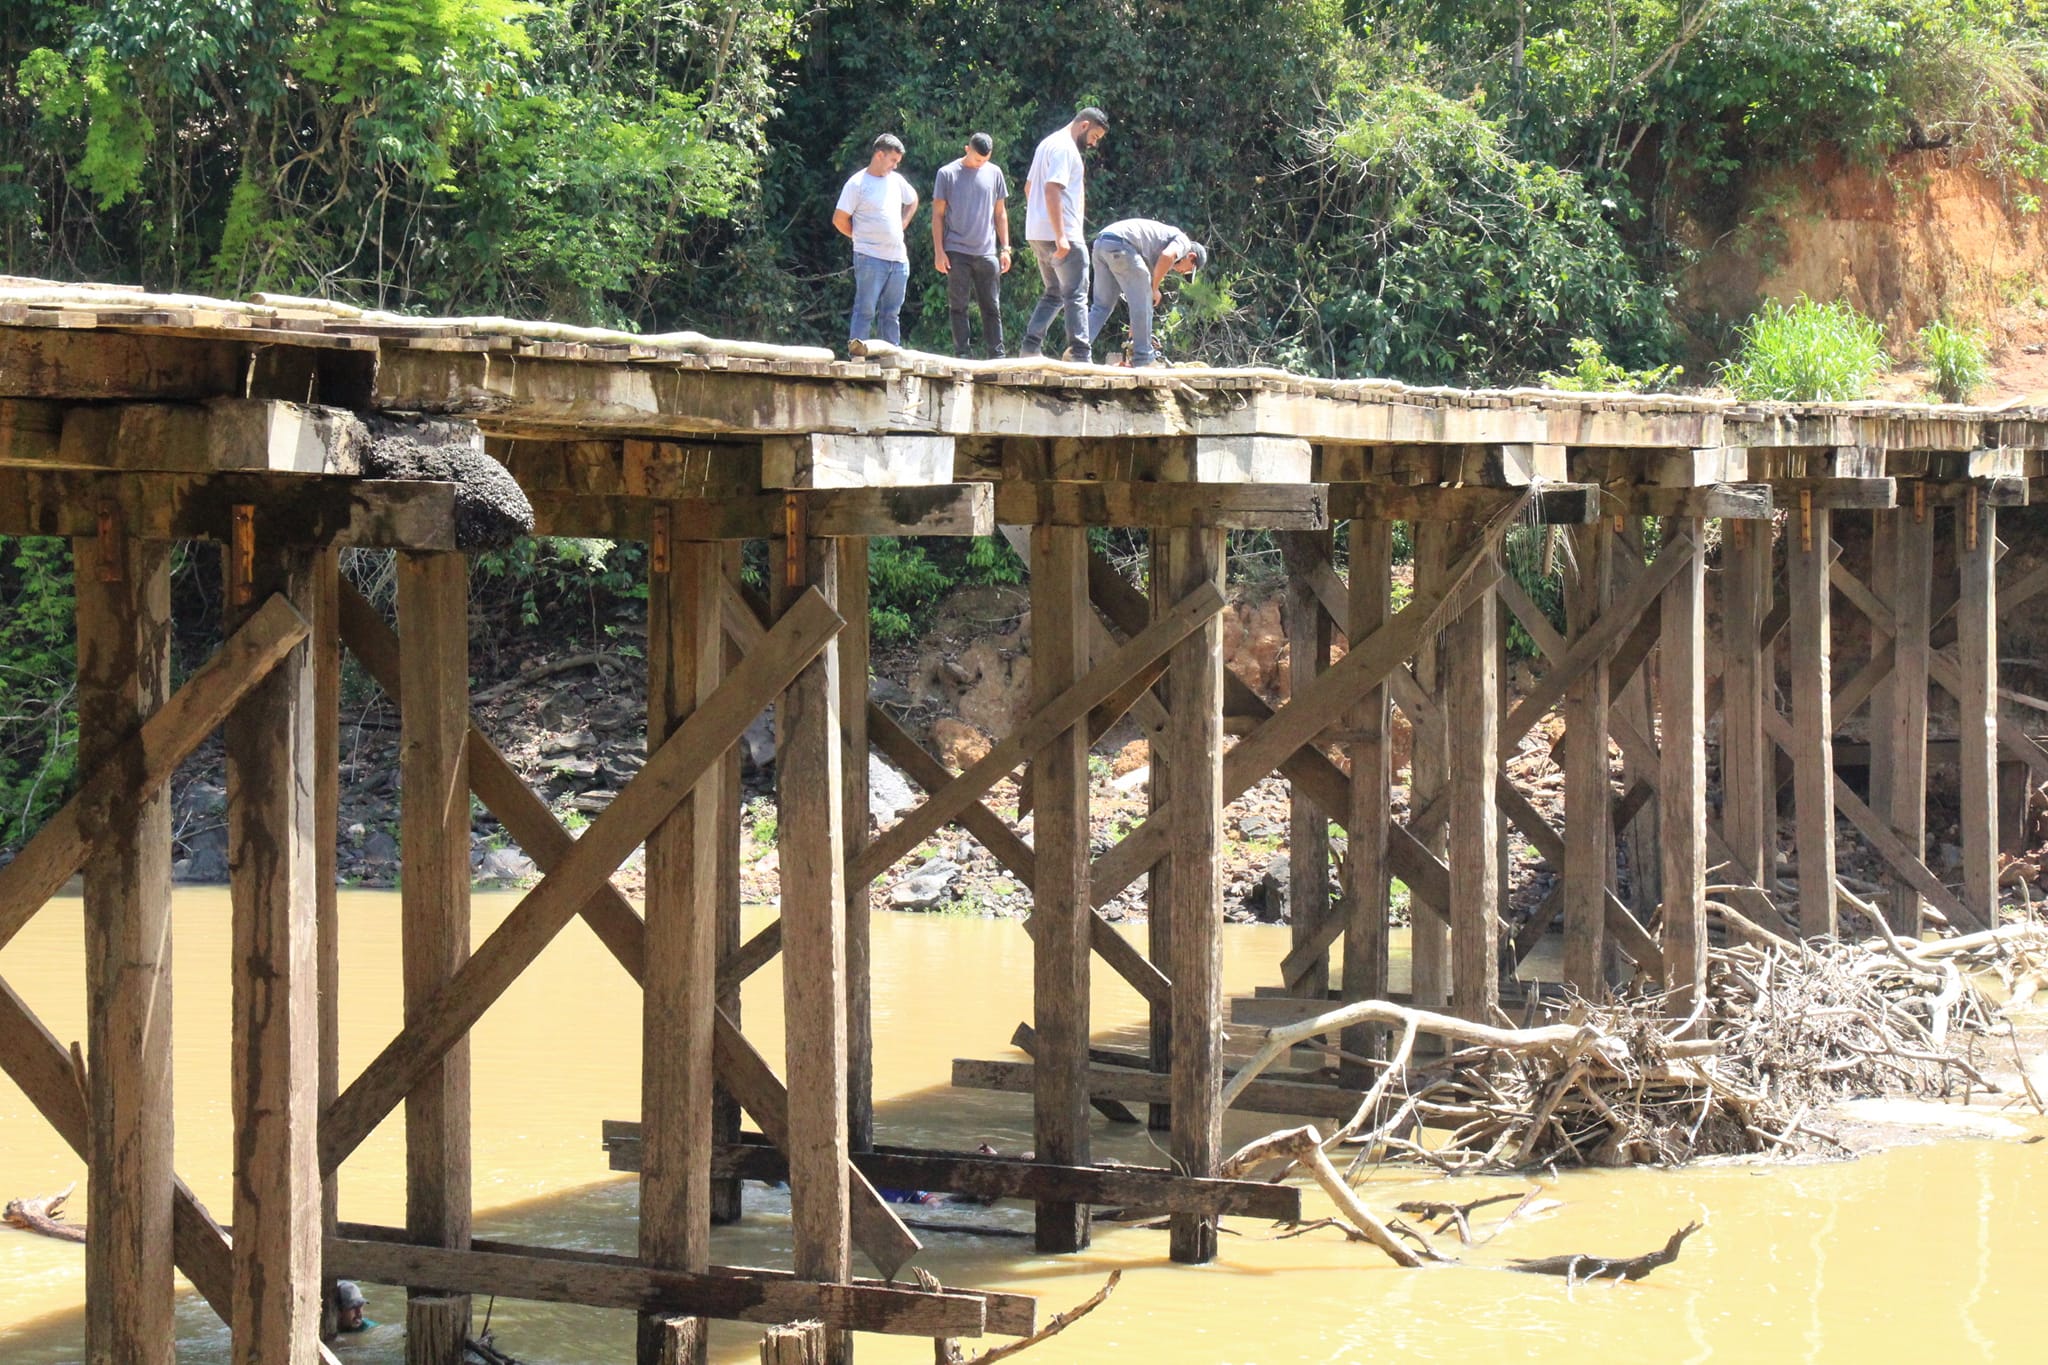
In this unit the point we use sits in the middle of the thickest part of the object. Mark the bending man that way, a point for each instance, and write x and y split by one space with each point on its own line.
1055 209
1132 260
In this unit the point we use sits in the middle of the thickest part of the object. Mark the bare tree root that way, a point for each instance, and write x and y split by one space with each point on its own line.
1579 1267
44 1216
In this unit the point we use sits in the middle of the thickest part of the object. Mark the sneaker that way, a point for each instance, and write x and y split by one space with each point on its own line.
1032 350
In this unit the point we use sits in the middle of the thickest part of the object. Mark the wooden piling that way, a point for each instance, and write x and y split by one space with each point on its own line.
122 592
275 1304
1977 703
1368 826
1749 820
436 1327
1429 777
1682 761
323 644
810 842
1902 744
1061 912
1808 551
726 1198
1588 783
797 1343
1183 561
1307 626
686 657
433 632
853 749
1471 705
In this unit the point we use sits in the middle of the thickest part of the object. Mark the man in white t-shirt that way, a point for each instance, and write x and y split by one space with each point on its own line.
875 206
1055 209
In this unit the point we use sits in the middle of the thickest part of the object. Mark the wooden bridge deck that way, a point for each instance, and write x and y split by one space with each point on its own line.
128 420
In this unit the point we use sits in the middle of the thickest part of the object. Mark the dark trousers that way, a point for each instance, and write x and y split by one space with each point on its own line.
976 279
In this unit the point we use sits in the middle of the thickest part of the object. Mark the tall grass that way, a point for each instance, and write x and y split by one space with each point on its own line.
1808 352
1958 358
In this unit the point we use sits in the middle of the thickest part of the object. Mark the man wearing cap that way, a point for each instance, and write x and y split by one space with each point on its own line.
1055 205
348 1308
875 206
1132 260
971 241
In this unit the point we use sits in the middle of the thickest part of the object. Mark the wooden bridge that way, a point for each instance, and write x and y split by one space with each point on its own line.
129 421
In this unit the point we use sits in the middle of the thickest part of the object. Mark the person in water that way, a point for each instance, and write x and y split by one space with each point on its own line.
348 1308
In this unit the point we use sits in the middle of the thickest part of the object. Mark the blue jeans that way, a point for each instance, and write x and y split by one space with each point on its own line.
878 287
1120 270
1066 289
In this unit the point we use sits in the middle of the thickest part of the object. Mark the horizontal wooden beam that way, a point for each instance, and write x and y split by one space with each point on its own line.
950 509
1148 1188
1729 501
1991 492
302 509
1007 1314
1263 1096
1841 494
550 1276
1552 504
1249 506
866 460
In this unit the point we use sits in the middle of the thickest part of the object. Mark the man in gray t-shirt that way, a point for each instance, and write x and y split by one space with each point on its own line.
971 240
1131 260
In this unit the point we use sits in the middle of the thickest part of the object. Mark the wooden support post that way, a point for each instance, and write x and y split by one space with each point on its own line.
1749 821
1183 561
1977 703
123 599
1061 909
323 644
1429 778
1809 545
1682 781
1630 705
685 656
1883 583
433 633
436 1326
726 1198
1158 879
1369 821
1588 783
1307 625
1471 657
275 1305
680 1341
854 760
811 845
1904 744
796 1343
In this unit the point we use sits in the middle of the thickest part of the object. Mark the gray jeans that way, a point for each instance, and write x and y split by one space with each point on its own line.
1120 270
1066 293
975 279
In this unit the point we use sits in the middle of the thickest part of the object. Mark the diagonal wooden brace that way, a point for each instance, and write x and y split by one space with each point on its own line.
38 1063
60 847
876 1229
669 775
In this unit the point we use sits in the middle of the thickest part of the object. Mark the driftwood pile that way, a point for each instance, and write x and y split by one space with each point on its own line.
1783 1029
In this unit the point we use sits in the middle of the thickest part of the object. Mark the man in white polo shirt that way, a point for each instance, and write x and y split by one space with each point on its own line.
875 207
1055 209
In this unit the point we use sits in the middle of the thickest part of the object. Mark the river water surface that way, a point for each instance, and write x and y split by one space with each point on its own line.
1925 1253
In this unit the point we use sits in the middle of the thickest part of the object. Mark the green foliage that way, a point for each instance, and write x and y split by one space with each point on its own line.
38 661
1958 358
1808 352
1593 372
1450 256
903 587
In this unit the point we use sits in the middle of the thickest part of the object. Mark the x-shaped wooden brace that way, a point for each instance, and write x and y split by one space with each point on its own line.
581 885
33 1057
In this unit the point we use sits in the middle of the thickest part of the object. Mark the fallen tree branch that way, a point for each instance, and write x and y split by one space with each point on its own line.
947 1352
1580 1267
44 1216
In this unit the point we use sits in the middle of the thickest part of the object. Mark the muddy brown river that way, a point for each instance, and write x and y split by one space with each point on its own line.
1927 1253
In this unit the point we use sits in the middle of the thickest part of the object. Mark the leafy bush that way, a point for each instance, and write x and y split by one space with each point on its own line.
1808 352
1595 373
38 703
1957 357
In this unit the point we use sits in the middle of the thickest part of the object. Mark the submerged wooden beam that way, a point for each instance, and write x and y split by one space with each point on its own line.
1132 1086
550 1276
1145 1188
